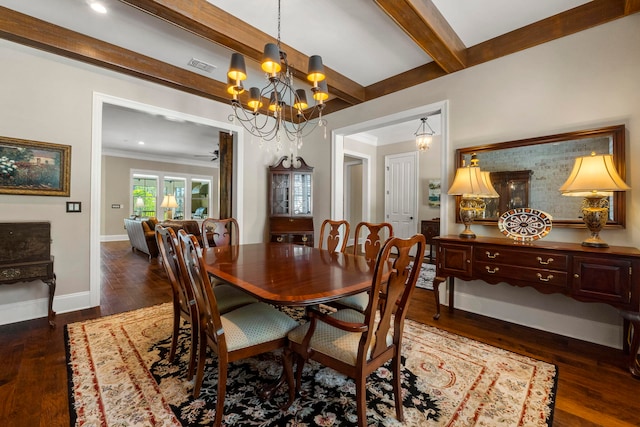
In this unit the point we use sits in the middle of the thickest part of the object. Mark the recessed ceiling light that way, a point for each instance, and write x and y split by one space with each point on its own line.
98 7
140 142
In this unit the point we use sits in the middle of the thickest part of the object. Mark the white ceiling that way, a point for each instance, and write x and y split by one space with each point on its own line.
354 37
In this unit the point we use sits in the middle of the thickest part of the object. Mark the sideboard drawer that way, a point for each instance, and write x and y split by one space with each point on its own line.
524 258
513 273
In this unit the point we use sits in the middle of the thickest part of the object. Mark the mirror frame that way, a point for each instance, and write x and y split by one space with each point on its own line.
617 134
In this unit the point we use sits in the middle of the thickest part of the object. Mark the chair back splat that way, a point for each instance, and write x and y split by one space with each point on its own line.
357 343
220 232
377 234
334 235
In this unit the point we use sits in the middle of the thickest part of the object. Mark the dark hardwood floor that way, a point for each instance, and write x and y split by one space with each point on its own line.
594 389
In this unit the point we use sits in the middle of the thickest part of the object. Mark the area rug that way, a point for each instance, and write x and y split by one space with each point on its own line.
427 273
119 376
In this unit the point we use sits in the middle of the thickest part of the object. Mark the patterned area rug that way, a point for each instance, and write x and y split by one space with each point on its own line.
119 376
427 273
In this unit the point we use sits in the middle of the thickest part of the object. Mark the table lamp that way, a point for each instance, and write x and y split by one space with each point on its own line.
473 185
594 177
170 202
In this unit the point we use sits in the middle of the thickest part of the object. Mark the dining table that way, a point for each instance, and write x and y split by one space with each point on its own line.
289 274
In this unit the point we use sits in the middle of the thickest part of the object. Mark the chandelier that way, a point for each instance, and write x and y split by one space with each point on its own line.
423 137
288 113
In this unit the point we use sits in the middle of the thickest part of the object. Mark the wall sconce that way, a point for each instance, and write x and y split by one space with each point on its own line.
473 185
594 177
424 137
169 202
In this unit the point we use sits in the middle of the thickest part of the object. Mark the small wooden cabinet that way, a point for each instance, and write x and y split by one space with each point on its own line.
25 256
606 275
290 202
430 229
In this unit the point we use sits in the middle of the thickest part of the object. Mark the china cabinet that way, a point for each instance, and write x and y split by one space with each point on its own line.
513 188
290 202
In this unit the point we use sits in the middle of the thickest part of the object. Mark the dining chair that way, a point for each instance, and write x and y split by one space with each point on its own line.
184 305
184 295
374 234
244 332
337 235
355 343
220 232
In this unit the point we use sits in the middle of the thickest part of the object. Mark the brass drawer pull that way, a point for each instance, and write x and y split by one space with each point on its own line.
547 279
492 256
280 239
490 271
305 238
547 262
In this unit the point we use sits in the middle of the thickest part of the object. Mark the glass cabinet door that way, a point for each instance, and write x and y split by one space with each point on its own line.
301 194
280 188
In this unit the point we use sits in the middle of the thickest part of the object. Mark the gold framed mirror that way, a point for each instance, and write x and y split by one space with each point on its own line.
529 172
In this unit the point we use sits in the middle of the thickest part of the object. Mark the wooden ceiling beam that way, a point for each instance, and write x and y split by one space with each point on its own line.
214 24
631 6
42 35
424 24
580 18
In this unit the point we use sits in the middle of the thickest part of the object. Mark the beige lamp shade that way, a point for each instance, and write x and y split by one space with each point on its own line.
593 175
169 201
469 182
486 179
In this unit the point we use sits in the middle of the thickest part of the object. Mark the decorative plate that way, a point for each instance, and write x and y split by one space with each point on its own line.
525 224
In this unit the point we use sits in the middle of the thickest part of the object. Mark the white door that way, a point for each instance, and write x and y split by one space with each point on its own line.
401 198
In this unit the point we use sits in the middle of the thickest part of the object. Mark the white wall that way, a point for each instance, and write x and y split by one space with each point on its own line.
583 81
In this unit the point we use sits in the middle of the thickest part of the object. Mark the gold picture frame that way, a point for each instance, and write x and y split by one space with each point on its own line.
34 168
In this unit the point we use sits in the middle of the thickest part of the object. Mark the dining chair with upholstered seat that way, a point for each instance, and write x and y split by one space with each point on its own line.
355 343
374 235
334 235
244 332
220 232
184 295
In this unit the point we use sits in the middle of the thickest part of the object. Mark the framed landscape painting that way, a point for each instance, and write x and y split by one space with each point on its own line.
34 168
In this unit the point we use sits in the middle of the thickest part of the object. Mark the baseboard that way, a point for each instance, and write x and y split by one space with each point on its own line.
38 308
114 238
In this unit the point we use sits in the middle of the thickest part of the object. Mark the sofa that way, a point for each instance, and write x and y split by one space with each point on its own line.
141 232
188 225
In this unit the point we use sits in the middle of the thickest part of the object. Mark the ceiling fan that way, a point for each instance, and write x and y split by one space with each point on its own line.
215 154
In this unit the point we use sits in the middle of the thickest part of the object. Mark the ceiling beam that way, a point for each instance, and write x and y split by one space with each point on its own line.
631 6
580 18
422 21
42 35
214 24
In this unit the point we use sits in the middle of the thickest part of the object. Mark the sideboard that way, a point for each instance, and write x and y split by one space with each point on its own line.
25 256
604 275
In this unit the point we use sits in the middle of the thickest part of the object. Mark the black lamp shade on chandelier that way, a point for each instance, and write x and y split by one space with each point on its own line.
287 113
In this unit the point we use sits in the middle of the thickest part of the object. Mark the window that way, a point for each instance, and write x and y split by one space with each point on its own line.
144 195
192 195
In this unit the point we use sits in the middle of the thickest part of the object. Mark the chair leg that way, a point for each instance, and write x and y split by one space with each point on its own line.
193 355
287 363
222 389
397 386
300 361
176 331
202 360
361 400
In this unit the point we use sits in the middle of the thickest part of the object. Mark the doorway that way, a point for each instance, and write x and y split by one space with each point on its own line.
99 100
342 153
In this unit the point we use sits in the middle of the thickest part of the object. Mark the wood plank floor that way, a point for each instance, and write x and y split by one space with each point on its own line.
594 387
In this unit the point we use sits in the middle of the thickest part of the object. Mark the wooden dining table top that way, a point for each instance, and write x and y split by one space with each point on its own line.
289 274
